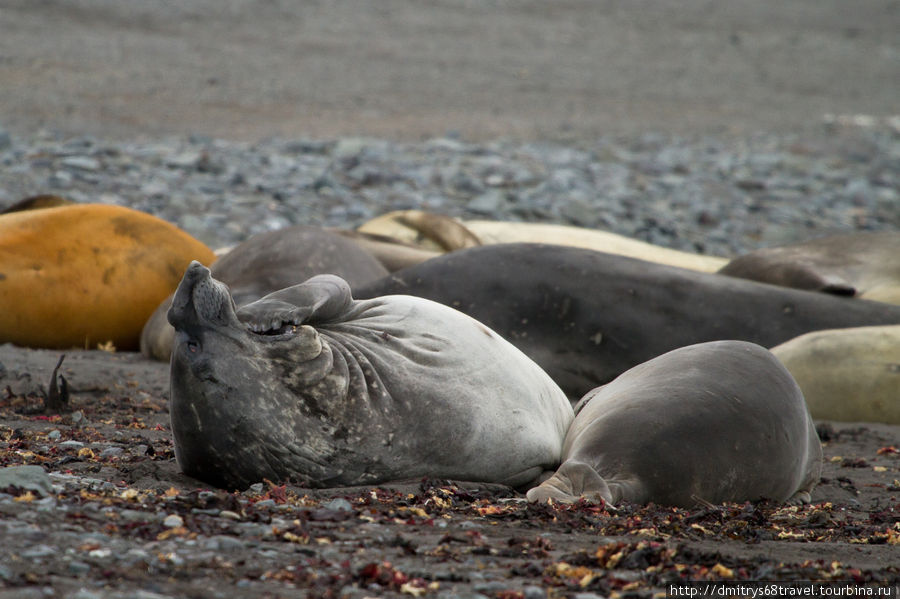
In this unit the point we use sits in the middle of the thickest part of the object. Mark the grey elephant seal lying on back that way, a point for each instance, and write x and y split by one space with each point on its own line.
718 421
309 385
586 317
267 262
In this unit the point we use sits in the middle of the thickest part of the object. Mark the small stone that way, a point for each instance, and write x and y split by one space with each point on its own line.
349 148
5 573
59 179
29 478
53 435
173 521
5 140
224 543
491 587
39 551
488 203
82 163
229 515
71 444
534 592
135 555
79 568
339 504
154 188
111 452
184 160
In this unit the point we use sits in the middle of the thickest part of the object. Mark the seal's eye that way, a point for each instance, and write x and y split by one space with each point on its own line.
193 347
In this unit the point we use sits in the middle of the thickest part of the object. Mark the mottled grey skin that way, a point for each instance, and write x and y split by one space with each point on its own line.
586 316
311 386
865 265
716 422
268 262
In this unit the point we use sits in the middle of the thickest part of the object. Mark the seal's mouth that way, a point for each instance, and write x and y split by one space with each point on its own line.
201 302
272 317
282 329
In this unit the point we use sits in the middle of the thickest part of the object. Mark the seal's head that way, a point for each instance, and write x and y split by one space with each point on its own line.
245 397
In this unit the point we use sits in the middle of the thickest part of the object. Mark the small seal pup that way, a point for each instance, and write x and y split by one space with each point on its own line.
865 265
309 385
716 422
851 375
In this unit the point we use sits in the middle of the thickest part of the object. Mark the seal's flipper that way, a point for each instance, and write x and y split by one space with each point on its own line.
572 481
319 299
836 285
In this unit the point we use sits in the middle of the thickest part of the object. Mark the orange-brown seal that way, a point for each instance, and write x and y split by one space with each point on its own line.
83 274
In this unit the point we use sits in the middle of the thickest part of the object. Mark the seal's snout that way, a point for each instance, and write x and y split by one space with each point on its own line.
200 301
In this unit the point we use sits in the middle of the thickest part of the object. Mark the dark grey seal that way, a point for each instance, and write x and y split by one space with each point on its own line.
714 422
309 385
586 316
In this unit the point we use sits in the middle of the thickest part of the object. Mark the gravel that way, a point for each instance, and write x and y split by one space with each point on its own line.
710 195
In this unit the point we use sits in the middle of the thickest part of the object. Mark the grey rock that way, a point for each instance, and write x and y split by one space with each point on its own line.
111 452
31 478
59 179
488 203
78 568
224 543
338 504
492 586
82 163
173 521
71 444
534 592
39 551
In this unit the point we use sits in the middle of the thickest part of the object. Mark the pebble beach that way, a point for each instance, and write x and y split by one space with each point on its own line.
708 195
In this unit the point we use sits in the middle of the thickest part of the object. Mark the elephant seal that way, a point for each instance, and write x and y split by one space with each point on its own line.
309 385
83 274
507 232
268 262
718 422
852 375
392 253
439 233
585 316
430 231
865 265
